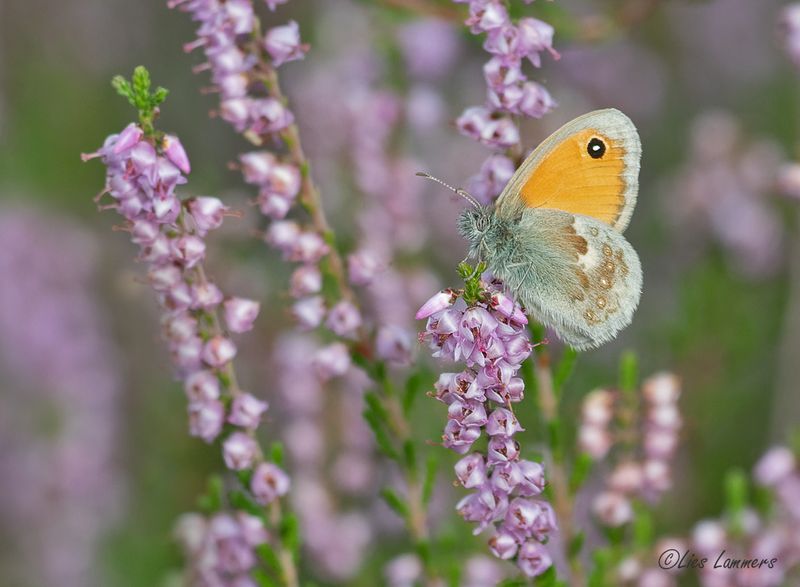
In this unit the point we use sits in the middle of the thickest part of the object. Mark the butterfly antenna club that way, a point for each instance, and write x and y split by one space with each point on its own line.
460 191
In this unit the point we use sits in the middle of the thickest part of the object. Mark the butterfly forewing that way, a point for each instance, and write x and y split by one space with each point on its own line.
589 167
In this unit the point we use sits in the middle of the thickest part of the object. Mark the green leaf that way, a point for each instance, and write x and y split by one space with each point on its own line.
564 369
643 528
241 501
267 554
212 500
262 579
548 578
385 444
290 532
410 456
628 372
394 501
123 88
375 405
580 470
423 549
276 453
414 385
430 479
736 497
576 544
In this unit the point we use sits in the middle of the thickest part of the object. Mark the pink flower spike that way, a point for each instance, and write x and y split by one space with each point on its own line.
174 151
240 313
128 138
247 410
436 303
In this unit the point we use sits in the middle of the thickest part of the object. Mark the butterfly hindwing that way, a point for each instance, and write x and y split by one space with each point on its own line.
590 167
574 273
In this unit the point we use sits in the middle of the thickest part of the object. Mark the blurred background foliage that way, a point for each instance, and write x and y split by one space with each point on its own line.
720 323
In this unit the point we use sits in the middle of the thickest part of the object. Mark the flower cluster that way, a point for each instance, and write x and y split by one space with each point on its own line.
749 534
647 474
509 91
221 548
489 335
227 36
142 172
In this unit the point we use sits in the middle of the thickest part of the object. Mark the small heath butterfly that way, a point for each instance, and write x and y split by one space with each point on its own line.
554 235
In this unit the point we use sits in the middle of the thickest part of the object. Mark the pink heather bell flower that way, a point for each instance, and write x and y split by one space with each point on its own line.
206 419
283 44
239 451
436 303
306 280
331 361
533 559
309 312
268 483
493 131
240 313
246 411
174 151
201 386
344 319
393 344
129 137
207 213
362 266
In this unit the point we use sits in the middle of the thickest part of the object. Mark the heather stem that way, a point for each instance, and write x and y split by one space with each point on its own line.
558 478
286 558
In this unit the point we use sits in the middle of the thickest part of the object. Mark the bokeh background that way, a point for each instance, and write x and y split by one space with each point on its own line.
96 465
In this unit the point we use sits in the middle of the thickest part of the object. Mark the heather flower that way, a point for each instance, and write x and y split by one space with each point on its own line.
206 419
306 280
283 44
268 483
309 312
331 361
344 319
221 549
240 313
393 344
239 451
488 334
246 411
362 267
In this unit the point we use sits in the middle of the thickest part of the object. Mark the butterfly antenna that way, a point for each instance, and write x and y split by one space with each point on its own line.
460 191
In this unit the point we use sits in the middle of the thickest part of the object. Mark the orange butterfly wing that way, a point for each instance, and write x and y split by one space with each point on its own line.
590 167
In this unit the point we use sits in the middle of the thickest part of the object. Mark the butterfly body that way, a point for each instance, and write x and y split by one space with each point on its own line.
554 236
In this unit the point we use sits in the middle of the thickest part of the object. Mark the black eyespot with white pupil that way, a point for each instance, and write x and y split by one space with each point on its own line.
596 148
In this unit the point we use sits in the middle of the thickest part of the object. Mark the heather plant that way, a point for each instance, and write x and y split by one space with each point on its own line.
358 407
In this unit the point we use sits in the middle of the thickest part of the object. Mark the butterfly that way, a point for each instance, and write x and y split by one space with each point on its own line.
554 235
